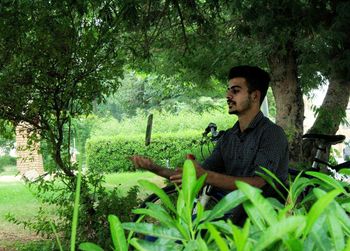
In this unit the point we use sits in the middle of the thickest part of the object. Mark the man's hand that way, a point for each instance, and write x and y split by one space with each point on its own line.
143 163
148 165
177 178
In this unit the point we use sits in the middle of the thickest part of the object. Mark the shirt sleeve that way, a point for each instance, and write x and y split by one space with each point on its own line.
215 161
273 152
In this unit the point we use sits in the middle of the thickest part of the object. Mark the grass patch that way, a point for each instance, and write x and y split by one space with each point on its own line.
33 245
17 199
127 180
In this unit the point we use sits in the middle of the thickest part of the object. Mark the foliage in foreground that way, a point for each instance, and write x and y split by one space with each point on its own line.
318 222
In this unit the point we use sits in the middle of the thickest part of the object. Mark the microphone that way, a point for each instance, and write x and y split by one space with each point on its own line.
212 128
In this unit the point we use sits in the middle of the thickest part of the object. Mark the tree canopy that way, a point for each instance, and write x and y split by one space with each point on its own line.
59 56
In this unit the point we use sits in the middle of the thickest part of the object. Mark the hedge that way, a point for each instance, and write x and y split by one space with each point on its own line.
6 160
111 154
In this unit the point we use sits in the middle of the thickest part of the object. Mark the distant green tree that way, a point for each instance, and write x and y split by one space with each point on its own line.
151 91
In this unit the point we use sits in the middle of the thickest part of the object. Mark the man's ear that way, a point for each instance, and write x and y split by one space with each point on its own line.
257 95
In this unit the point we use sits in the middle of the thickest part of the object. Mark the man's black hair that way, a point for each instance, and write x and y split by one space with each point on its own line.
257 78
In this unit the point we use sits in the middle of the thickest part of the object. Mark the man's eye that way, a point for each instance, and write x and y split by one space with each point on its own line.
233 90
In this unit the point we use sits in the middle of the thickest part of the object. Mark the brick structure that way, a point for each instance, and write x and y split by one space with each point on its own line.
29 160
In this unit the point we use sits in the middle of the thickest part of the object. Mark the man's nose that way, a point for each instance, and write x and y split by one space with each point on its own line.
228 93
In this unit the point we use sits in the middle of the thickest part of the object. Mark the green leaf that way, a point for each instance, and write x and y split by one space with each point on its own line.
88 246
297 187
191 245
184 230
156 212
328 180
345 171
317 209
117 233
254 215
262 205
201 244
56 235
216 236
346 206
347 247
180 204
154 230
240 236
199 213
319 235
319 192
188 183
183 216
143 245
223 226
274 177
336 232
336 220
343 218
293 244
159 192
279 230
198 186
230 201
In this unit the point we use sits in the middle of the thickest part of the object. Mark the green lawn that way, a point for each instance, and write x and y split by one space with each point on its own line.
16 198
127 180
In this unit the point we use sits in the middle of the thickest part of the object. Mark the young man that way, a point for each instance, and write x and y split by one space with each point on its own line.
254 141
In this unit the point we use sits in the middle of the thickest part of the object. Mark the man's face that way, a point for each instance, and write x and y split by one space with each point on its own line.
239 100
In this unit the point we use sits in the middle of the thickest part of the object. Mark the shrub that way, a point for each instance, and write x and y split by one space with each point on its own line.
111 154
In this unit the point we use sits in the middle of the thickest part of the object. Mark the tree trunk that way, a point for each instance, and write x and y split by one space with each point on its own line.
289 100
330 114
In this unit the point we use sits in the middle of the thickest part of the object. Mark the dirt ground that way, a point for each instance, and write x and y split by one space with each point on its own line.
9 239
17 235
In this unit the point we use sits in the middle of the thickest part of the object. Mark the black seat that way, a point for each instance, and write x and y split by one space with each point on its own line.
327 139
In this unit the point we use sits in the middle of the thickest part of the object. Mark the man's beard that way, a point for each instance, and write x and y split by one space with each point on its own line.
245 106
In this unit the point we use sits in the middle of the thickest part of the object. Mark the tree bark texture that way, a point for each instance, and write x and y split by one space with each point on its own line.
330 114
289 100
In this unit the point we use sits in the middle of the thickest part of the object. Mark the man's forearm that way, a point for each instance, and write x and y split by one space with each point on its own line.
162 171
227 182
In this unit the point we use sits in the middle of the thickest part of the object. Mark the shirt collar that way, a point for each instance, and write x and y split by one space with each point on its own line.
256 120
